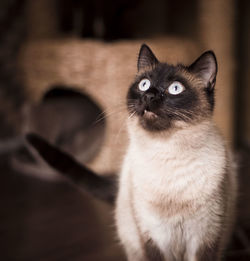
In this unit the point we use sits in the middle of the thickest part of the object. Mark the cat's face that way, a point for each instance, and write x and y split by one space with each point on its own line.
164 95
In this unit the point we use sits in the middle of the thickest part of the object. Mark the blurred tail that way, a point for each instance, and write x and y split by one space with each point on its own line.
102 187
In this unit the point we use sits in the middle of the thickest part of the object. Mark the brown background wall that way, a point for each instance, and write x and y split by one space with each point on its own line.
95 43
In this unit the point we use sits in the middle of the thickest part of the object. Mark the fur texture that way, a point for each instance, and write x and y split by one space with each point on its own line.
177 187
177 190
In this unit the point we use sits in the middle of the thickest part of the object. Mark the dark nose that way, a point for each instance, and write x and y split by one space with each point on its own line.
150 96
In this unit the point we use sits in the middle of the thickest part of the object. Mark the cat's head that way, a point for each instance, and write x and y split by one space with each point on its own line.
164 96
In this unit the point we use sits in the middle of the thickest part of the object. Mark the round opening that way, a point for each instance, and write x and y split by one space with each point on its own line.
71 120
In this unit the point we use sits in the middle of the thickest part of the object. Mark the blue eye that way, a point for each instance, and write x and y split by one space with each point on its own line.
144 84
176 88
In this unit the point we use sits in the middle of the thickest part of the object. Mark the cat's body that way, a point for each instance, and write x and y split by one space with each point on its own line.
177 188
177 191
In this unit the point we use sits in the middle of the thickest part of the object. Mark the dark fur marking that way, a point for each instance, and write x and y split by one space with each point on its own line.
168 107
187 106
104 188
204 63
152 252
146 58
210 97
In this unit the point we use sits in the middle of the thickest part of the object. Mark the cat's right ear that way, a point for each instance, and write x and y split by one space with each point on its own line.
206 68
146 58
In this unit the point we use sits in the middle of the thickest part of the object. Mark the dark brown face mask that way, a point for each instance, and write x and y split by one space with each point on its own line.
163 93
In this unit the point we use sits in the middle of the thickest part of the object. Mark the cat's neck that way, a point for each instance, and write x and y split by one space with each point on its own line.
190 138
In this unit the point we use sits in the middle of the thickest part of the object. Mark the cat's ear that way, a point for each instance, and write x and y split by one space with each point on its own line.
206 68
146 58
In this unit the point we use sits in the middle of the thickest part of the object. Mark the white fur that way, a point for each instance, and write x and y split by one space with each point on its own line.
161 171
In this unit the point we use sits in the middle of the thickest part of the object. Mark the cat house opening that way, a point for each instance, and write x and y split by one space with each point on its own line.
71 120
66 118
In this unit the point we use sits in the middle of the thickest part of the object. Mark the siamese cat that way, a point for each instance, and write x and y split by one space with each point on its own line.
175 198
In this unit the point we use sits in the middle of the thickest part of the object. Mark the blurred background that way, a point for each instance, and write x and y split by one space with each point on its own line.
65 67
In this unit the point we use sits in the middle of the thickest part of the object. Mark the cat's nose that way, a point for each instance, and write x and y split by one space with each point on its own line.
150 96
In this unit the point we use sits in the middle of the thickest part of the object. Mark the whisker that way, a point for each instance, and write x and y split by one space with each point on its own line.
185 115
107 113
122 127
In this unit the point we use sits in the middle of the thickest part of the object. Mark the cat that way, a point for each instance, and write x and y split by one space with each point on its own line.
176 194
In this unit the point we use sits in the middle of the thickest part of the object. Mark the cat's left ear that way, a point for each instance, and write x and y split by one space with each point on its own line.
206 68
146 58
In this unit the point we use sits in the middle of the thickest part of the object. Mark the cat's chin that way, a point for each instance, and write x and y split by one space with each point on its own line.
150 121
149 115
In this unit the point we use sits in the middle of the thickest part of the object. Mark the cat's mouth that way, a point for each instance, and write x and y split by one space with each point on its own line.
149 118
149 115
152 120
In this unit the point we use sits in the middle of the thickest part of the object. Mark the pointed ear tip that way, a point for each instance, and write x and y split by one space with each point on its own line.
211 54
143 46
